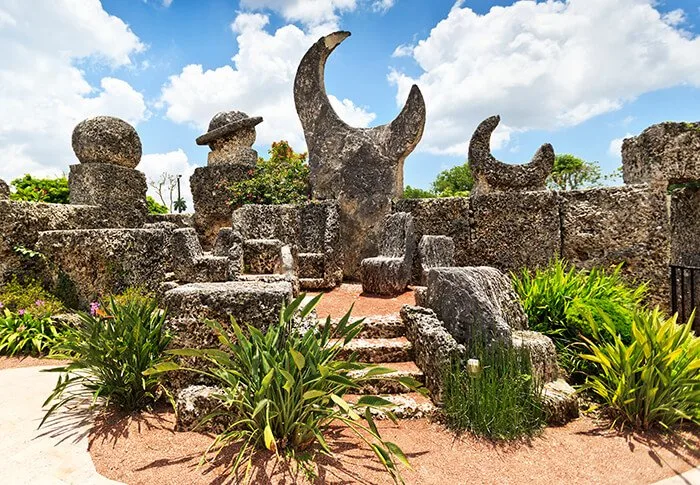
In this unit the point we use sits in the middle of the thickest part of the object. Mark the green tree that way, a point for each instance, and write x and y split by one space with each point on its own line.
416 193
571 173
454 182
283 179
51 190
154 207
180 205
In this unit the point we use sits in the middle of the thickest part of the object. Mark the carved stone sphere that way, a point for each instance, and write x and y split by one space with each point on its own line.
106 139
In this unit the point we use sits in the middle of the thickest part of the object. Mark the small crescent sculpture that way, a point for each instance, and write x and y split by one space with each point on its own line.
360 167
493 175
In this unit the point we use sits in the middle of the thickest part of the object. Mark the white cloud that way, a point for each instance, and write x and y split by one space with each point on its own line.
309 12
43 94
615 147
543 65
403 50
382 6
174 163
259 82
167 3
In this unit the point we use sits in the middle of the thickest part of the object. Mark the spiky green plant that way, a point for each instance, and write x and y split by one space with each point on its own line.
26 334
108 353
561 300
655 379
284 388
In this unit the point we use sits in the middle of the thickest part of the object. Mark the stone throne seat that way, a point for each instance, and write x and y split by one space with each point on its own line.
192 265
390 272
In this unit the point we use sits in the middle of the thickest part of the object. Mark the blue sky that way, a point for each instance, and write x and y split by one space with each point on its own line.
581 74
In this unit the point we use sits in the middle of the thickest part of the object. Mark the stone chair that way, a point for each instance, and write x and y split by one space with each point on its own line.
435 252
192 265
390 272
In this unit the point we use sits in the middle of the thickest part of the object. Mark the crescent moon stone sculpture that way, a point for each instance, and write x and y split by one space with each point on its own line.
492 175
360 167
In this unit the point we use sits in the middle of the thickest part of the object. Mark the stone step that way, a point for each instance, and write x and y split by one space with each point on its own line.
381 385
405 406
377 326
379 350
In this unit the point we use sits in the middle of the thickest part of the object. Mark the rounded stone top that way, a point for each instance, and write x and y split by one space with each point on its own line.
106 139
226 123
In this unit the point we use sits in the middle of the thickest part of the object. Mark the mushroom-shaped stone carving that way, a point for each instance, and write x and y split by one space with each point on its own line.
106 139
4 190
492 175
360 167
230 136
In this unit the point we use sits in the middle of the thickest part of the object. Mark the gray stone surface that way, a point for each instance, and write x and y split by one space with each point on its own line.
390 272
262 256
361 168
492 175
4 190
542 353
230 136
179 220
474 302
685 226
662 154
560 402
106 139
191 265
211 197
121 191
194 403
92 263
435 252
433 346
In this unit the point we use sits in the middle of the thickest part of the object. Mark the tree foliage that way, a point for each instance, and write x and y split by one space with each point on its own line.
51 190
571 173
416 193
154 207
454 182
283 179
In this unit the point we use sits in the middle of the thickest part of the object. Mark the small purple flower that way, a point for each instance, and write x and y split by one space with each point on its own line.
94 306
2 305
21 312
39 303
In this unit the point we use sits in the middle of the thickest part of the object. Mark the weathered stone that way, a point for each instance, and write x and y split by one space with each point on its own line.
122 191
21 223
390 272
492 175
89 264
435 252
210 195
511 231
262 256
685 227
378 351
4 190
194 403
663 154
542 354
608 226
361 168
560 402
474 303
191 265
178 220
435 350
445 216
106 139
230 136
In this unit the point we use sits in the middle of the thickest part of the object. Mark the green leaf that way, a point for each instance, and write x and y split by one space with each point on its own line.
299 359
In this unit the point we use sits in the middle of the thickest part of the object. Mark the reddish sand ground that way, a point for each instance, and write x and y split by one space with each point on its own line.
336 303
146 450
16 362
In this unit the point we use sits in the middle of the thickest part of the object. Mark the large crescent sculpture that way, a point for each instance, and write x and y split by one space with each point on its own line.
360 167
493 175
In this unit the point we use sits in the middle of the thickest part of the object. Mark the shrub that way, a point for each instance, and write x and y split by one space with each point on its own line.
417 193
108 354
52 190
26 334
29 297
283 179
501 401
655 379
561 300
284 388
155 207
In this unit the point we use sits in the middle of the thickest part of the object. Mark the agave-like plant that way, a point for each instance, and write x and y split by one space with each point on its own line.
653 380
283 388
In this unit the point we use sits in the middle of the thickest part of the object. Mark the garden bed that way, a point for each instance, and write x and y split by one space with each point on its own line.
337 302
27 361
146 450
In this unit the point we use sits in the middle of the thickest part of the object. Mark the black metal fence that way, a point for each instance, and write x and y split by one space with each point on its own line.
685 292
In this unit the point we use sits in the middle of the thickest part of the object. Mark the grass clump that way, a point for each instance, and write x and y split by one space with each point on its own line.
108 353
653 380
23 333
29 297
282 389
562 301
501 400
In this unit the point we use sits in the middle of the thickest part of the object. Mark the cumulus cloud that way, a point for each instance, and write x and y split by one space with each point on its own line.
543 65
44 95
382 6
309 12
259 81
615 147
173 163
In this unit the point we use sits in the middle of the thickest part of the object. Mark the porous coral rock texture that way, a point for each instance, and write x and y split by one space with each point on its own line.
685 228
4 190
230 136
361 168
541 351
106 139
560 402
194 403
191 265
474 302
435 252
662 154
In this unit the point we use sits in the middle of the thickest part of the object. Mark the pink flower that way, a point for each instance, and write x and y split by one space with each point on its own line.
1 305
94 306
39 303
21 312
